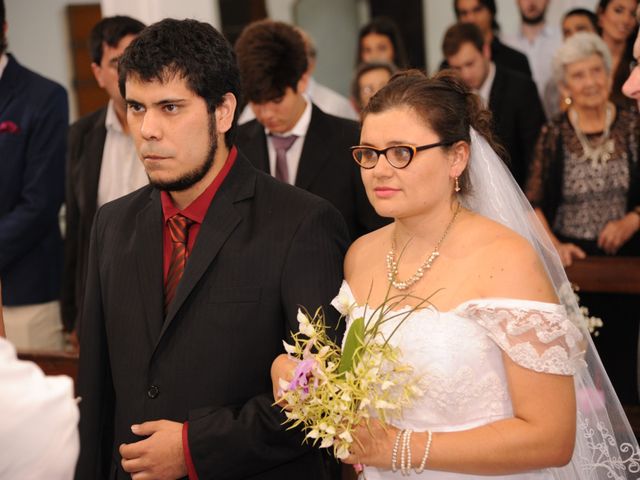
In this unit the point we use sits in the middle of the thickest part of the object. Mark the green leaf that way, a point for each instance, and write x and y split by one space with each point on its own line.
352 345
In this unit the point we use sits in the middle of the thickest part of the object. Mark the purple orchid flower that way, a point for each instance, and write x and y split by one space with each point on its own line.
301 375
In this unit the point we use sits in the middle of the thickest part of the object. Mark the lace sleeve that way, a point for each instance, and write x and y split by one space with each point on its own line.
539 337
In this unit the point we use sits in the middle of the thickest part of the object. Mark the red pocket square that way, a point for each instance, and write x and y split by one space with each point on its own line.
9 127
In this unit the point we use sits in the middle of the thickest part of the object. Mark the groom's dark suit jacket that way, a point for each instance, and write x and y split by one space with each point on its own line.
326 167
84 160
263 249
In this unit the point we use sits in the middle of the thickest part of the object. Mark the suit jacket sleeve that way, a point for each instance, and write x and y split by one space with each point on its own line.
71 247
42 177
95 386
245 440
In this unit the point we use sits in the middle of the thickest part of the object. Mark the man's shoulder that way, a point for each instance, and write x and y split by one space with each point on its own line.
335 126
511 79
248 130
32 81
89 121
129 205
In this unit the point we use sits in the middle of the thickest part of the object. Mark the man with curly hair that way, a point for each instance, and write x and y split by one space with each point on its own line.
194 281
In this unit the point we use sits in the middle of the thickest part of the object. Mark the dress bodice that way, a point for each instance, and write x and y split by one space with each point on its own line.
458 355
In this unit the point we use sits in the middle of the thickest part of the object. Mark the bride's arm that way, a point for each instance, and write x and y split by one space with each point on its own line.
541 434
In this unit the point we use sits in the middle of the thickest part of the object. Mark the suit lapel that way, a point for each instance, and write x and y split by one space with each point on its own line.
314 151
148 252
8 84
255 148
219 223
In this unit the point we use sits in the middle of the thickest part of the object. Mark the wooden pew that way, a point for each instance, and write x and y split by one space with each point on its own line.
606 274
610 275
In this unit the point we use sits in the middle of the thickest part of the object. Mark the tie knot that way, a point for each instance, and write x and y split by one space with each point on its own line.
283 143
178 228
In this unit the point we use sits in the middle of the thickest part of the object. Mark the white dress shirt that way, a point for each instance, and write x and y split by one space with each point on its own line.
122 171
295 151
38 421
485 89
539 53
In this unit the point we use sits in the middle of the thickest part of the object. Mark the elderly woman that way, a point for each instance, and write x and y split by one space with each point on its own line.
584 186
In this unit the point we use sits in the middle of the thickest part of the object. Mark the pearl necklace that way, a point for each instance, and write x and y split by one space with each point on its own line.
392 264
605 146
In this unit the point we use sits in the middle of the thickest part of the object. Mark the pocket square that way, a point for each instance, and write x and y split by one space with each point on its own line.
9 127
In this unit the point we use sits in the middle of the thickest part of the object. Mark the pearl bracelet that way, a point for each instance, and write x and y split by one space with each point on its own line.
427 449
405 465
394 452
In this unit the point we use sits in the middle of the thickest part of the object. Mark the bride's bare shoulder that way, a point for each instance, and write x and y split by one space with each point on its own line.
371 245
505 263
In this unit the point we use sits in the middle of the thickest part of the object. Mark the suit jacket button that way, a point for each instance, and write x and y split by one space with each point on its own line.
153 391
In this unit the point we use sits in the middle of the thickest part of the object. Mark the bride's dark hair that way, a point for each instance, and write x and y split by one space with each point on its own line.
445 104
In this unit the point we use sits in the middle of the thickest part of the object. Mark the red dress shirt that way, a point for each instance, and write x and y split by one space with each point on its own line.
196 211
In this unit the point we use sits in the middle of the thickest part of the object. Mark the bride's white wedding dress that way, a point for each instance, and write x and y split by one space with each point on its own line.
458 354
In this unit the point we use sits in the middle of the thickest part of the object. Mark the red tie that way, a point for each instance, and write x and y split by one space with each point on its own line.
179 231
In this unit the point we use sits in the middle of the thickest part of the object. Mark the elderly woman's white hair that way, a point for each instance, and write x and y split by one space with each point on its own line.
577 48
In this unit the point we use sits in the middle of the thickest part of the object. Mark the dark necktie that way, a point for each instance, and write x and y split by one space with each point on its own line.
179 232
282 145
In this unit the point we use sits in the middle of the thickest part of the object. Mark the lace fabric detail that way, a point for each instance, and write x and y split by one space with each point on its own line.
542 338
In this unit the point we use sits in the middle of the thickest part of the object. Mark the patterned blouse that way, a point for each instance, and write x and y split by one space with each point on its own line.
579 196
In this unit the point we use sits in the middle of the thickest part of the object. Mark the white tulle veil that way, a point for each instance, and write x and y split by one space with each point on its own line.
606 447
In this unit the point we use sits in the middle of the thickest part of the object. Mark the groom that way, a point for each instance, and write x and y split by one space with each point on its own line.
194 281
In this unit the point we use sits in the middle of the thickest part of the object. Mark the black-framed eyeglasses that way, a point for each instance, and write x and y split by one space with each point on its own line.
398 156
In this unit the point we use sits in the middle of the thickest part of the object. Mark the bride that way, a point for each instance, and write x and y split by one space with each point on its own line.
507 362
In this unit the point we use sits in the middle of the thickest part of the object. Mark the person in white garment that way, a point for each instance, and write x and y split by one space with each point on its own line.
503 350
38 420
538 40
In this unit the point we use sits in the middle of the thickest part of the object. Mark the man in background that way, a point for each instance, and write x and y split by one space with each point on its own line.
291 138
482 13
512 97
102 163
34 118
538 41
329 101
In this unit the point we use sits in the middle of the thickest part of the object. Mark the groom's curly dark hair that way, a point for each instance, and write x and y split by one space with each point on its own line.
187 49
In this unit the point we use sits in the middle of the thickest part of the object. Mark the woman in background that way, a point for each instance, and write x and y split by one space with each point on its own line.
618 27
380 40
369 78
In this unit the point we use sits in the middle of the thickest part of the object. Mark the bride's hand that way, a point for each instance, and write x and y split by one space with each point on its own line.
372 444
282 367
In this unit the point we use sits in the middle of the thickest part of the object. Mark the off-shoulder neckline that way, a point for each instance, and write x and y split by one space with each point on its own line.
503 302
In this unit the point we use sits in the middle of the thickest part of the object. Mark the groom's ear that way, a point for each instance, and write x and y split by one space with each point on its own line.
459 155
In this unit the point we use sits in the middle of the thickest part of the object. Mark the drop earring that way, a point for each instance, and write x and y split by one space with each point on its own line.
457 186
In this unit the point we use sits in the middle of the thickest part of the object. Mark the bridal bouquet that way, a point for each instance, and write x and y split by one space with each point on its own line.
333 389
